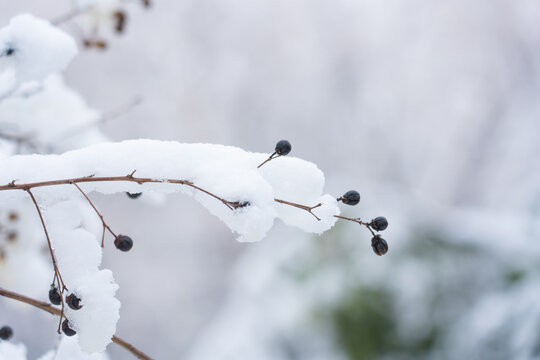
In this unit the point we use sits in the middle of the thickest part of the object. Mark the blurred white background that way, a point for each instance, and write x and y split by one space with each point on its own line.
430 109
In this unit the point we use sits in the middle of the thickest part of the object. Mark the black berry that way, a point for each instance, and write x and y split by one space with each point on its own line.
66 329
10 51
379 223
54 296
6 333
133 195
379 245
123 243
73 302
283 147
351 197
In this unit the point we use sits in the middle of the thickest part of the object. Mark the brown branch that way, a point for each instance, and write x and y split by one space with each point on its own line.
105 117
87 179
267 160
105 226
55 311
358 221
309 209
58 276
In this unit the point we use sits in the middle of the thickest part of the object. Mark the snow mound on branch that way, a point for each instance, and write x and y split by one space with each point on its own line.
10 351
33 48
228 172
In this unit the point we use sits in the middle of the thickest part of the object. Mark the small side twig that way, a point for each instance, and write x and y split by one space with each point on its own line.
54 311
58 276
105 225
358 221
309 209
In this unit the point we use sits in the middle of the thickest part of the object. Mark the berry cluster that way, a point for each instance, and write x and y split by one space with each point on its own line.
351 197
378 244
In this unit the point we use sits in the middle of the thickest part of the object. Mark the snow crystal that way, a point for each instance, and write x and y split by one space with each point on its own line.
32 48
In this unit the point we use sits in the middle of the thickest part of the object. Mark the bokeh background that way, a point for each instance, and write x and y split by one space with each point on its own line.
430 109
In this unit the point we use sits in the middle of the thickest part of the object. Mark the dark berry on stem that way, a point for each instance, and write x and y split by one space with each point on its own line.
123 243
351 197
379 245
54 296
283 147
66 329
73 302
133 195
379 223
6 333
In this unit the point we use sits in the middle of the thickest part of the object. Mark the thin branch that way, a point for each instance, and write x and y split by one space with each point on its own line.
58 276
358 221
67 16
12 186
309 209
108 116
273 156
105 226
55 311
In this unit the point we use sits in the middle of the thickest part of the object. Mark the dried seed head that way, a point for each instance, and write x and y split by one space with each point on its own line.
379 223
123 243
351 197
120 18
54 296
283 147
67 329
379 245
73 302
133 195
12 236
6 333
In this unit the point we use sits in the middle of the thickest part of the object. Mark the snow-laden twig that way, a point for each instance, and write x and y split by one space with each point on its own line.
54 311
13 186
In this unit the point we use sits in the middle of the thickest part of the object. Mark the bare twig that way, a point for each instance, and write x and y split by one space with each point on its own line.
58 276
309 209
67 16
105 226
273 156
106 117
55 311
358 221
12 186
